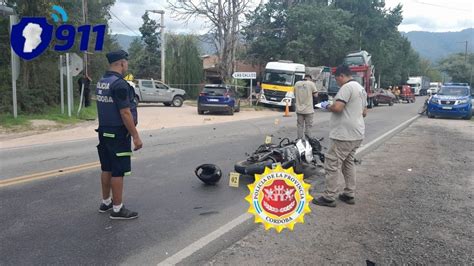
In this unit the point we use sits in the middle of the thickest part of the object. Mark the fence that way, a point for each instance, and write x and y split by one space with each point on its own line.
192 90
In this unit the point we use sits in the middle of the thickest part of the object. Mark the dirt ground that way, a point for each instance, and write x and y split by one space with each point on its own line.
414 205
150 117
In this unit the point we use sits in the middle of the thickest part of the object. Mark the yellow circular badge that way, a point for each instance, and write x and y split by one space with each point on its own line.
279 198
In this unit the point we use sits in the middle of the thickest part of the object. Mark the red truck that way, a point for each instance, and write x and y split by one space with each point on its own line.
362 69
362 74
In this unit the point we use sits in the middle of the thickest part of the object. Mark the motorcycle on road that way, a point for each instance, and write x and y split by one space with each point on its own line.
287 153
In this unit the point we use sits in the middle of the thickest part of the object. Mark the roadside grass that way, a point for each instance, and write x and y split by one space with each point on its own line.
24 121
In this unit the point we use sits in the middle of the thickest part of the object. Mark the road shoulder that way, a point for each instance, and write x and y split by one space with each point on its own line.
150 117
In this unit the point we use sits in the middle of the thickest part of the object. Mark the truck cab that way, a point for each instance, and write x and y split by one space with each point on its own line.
278 83
358 59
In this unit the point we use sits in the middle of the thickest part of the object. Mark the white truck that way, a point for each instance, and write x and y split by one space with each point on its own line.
154 91
419 85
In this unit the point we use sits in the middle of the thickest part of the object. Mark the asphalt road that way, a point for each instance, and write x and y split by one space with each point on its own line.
55 220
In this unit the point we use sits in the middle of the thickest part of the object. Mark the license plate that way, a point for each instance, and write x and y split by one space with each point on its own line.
213 100
273 99
447 107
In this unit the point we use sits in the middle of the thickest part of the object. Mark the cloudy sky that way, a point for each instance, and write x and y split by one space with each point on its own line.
419 15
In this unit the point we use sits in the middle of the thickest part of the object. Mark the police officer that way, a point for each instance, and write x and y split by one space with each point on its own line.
117 111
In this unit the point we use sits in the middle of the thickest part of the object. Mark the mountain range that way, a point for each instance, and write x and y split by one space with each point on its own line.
437 45
430 45
205 46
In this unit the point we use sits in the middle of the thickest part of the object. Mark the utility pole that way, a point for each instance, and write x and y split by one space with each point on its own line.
163 43
465 51
6 11
84 19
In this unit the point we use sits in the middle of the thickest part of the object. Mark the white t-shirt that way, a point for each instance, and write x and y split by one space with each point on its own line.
349 125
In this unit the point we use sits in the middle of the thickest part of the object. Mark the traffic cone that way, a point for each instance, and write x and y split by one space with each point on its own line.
287 110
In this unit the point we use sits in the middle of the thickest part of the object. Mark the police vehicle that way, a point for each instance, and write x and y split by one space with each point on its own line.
452 100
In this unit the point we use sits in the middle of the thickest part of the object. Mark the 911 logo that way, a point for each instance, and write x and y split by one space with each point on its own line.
32 35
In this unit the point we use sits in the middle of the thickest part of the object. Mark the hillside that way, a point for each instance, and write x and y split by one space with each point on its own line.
436 45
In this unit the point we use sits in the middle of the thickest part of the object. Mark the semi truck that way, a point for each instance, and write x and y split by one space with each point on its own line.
419 85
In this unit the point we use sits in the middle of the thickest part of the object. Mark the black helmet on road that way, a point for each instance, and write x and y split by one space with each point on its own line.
208 173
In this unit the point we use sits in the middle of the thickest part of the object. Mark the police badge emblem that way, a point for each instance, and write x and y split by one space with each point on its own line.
279 198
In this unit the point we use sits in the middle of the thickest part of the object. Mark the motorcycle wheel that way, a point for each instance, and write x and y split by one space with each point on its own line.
252 168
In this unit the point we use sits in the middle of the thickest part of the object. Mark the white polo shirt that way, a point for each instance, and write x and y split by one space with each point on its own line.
349 124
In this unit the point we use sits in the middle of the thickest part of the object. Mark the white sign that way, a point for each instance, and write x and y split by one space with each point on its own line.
76 64
244 75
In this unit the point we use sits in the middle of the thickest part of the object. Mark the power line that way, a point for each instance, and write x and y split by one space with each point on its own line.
124 23
446 7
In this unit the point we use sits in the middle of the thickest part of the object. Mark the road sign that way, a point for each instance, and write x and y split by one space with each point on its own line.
76 64
244 75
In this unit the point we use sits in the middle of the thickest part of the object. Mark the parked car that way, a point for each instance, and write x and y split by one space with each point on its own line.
154 91
384 96
218 98
407 94
452 100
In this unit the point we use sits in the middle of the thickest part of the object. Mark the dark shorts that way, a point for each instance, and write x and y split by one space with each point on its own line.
115 151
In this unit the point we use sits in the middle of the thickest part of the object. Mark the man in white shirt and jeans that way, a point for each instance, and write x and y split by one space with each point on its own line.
347 132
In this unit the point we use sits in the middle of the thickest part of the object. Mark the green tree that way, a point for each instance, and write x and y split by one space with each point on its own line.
136 53
427 69
313 33
459 67
266 32
183 63
149 65
317 35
